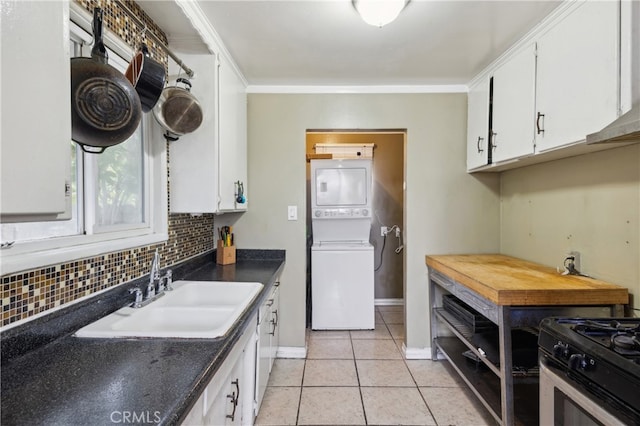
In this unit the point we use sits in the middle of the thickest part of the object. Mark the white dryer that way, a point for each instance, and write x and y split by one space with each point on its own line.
342 259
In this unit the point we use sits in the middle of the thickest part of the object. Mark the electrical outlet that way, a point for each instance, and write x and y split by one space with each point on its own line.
572 265
383 231
576 260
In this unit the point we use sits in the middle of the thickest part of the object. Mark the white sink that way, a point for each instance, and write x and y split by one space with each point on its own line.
193 310
210 293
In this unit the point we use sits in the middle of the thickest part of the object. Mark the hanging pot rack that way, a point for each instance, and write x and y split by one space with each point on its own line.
159 42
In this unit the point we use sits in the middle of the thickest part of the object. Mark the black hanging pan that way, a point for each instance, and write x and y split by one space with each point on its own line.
147 76
178 111
105 108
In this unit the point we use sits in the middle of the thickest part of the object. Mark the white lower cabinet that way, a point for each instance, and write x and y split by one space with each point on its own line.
268 331
229 397
234 395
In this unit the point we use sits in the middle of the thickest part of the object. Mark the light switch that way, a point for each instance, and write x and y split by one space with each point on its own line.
292 213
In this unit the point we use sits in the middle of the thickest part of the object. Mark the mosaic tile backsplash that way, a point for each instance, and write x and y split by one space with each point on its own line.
30 292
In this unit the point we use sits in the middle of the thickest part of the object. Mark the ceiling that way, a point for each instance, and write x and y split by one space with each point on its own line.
325 42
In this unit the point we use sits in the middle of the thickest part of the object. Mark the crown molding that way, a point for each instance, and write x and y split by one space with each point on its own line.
388 89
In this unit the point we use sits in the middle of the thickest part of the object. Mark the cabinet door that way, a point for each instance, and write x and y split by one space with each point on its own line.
478 125
232 138
513 106
263 362
225 401
195 416
36 113
275 326
577 82
193 157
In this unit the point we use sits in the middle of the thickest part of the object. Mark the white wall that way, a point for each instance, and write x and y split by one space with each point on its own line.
589 203
447 210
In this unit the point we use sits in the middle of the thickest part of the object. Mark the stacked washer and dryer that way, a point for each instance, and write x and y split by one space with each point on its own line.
342 259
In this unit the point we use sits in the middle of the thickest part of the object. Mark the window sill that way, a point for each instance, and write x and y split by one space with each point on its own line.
37 255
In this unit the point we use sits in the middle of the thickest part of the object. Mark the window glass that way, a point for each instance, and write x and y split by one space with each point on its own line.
108 190
119 184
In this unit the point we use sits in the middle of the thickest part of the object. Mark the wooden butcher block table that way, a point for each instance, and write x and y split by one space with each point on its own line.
513 294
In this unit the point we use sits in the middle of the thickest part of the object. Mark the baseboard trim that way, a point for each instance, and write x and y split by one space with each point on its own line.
389 302
291 352
416 353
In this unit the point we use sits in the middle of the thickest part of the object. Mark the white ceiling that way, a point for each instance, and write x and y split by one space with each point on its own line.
324 42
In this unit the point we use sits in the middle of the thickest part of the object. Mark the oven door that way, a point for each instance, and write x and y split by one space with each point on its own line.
564 404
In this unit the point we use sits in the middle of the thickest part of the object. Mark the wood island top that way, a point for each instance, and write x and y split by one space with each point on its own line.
506 280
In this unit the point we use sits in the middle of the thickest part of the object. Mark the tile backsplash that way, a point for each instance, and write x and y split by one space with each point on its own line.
30 292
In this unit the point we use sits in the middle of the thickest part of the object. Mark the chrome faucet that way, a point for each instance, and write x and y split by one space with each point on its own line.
168 280
154 276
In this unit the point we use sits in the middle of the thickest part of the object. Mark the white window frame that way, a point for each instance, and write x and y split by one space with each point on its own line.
35 254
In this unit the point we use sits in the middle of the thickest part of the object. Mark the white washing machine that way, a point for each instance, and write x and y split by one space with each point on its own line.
342 259
342 290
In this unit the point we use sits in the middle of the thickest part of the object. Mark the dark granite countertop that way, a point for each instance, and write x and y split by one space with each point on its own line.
51 377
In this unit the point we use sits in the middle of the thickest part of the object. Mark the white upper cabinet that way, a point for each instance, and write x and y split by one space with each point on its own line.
193 158
232 139
36 111
513 106
478 125
559 83
206 165
578 75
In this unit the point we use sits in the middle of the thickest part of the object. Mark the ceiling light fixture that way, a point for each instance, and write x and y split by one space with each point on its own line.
379 12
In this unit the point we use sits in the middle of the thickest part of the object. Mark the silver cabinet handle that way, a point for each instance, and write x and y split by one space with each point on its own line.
492 140
234 399
274 323
538 127
479 144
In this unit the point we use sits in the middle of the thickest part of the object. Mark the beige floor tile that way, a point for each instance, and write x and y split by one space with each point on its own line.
331 406
279 406
378 318
330 349
330 372
434 373
380 332
287 372
456 406
395 406
393 317
383 373
396 331
328 334
376 349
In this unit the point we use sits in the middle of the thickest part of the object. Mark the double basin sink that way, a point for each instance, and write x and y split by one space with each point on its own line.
192 310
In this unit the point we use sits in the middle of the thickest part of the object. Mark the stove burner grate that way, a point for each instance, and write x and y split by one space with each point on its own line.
623 338
625 341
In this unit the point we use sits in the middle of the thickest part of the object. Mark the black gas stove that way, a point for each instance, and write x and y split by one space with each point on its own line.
600 355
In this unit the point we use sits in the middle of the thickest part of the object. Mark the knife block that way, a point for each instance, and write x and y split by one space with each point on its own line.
225 255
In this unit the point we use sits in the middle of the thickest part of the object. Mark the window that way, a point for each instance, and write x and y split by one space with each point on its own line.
118 197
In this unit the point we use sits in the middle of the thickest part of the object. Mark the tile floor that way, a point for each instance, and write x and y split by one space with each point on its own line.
361 378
